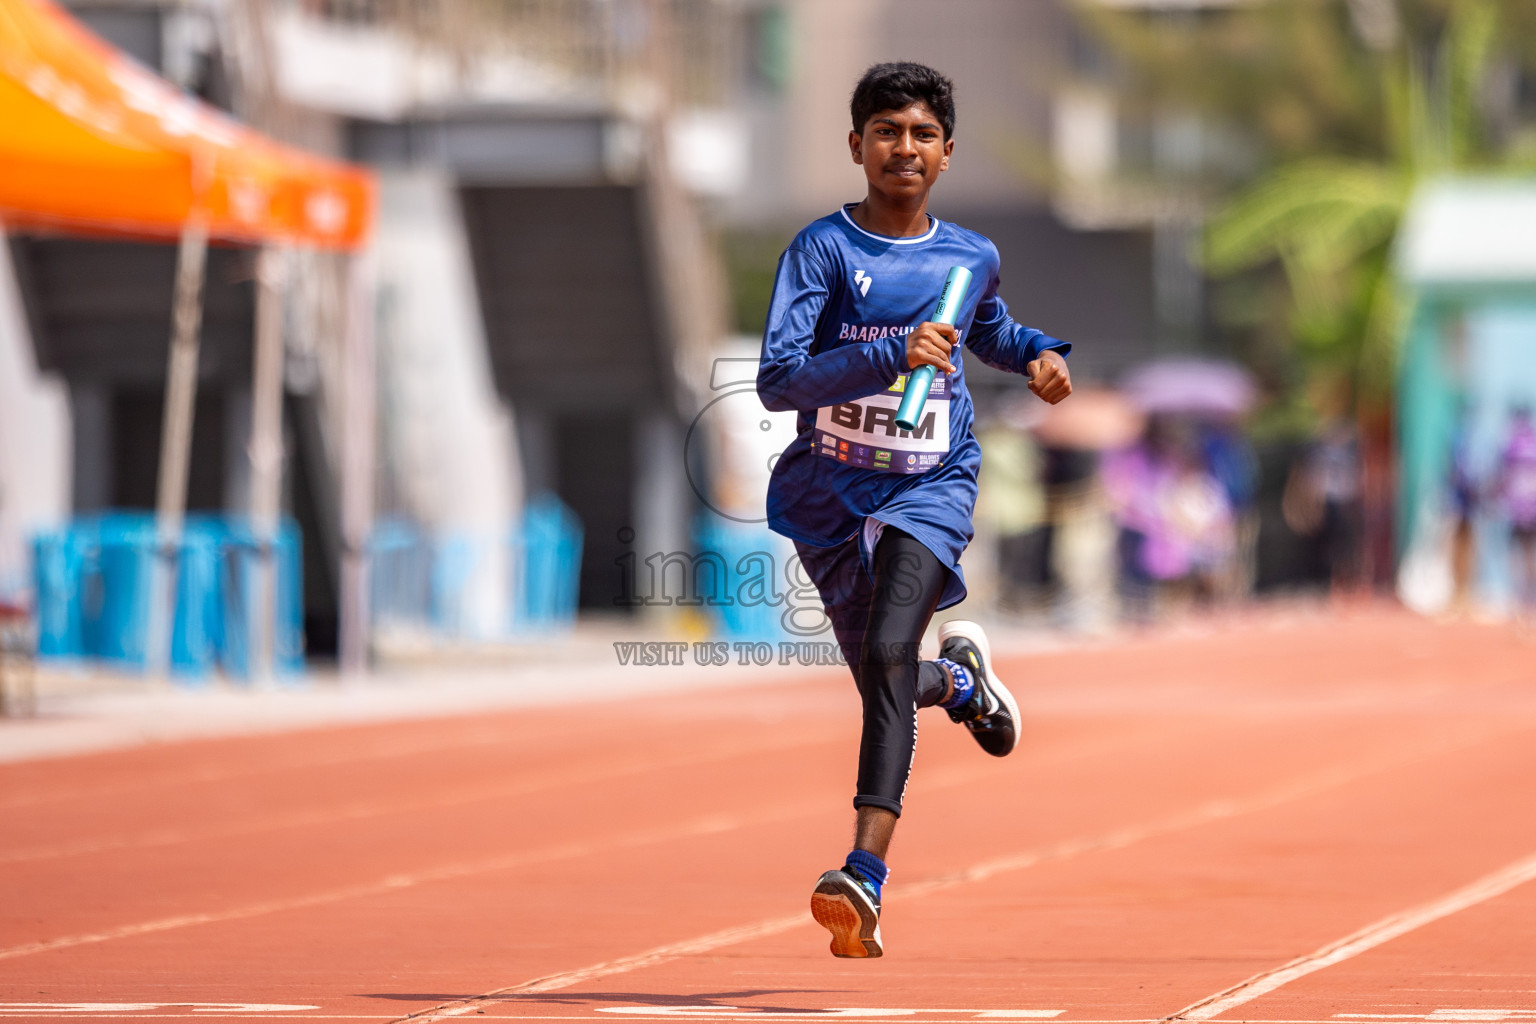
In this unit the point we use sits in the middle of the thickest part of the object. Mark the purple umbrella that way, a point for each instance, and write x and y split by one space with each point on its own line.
1196 386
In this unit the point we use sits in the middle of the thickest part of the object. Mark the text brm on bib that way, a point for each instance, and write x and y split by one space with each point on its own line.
864 433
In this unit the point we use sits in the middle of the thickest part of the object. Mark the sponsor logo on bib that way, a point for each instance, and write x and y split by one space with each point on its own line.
864 433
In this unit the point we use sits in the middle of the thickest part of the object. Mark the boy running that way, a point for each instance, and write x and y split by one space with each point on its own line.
879 516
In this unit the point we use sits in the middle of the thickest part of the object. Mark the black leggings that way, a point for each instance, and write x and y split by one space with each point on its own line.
879 624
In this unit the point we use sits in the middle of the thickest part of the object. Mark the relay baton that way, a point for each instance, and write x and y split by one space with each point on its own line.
916 397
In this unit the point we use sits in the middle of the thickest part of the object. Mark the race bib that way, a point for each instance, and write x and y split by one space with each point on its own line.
864 433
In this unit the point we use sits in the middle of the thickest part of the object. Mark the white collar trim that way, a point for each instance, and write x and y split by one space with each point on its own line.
934 227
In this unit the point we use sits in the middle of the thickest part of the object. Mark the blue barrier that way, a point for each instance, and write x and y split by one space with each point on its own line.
745 595
93 581
58 578
117 585
546 565
239 555
423 580
456 562
399 573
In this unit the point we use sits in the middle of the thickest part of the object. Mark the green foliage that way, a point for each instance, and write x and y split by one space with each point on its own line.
1329 222
1288 73
1349 114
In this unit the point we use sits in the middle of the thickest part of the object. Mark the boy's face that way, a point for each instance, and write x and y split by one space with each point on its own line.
902 151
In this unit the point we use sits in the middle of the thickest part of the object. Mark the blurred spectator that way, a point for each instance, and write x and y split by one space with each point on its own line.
1175 519
1072 437
1517 498
1082 537
1199 521
1011 502
1323 498
1232 462
1464 501
1130 483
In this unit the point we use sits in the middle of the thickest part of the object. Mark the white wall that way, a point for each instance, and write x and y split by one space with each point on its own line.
448 440
34 439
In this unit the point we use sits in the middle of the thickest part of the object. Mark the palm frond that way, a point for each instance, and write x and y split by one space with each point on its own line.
1322 213
1464 60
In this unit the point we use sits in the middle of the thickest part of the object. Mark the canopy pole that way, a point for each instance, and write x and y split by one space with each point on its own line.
266 457
356 469
176 443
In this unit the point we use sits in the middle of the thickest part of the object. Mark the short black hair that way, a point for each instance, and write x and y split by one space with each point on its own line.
901 84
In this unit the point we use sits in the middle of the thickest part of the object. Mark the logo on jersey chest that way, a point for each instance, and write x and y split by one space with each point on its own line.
862 281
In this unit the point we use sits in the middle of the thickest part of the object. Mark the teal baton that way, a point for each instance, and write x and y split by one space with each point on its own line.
916 396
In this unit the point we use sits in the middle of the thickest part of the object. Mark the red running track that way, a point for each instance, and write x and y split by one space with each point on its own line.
1308 818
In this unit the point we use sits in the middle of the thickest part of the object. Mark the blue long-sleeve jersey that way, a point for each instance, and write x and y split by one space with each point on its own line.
834 350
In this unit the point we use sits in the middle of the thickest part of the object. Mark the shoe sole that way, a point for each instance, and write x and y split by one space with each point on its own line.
834 909
967 630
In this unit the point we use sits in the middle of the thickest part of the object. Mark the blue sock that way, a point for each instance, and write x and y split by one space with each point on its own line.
871 867
964 684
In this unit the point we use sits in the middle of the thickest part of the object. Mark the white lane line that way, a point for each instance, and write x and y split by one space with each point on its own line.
1369 937
371 809
1208 812
365 809
447 872
495 1015
75 1009
718 1011
452 871
1118 839
391 748
1435 1015
1440 1015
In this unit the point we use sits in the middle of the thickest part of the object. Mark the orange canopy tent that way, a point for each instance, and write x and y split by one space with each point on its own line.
92 141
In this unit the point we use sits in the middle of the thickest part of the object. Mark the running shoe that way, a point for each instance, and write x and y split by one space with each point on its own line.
991 714
844 903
